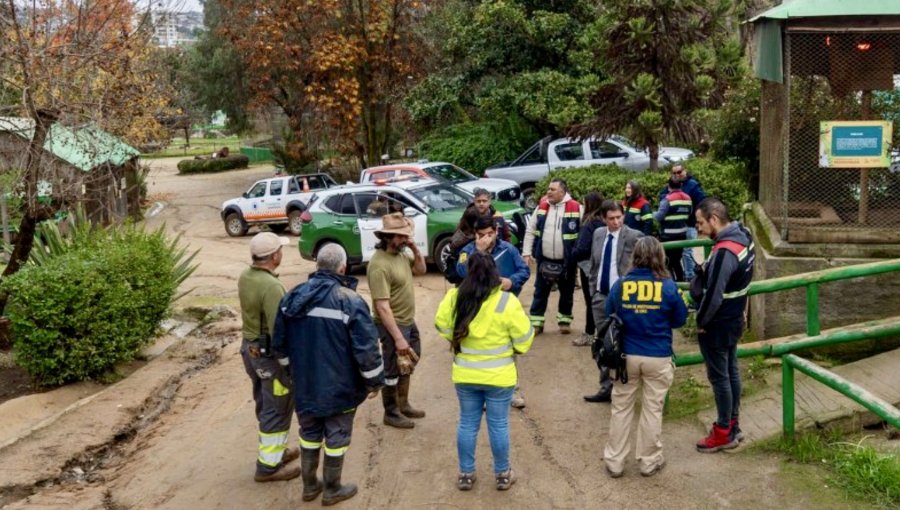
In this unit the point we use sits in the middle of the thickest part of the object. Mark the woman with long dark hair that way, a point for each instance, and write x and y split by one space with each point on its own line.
590 221
648 302
485 326
638 214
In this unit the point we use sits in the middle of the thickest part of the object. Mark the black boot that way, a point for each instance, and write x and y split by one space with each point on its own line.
403 399
334 491
309 464
392 415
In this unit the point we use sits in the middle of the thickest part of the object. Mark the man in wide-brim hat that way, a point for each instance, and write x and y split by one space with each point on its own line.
390 275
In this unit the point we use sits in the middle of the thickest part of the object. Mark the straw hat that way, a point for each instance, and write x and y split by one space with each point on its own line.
395 223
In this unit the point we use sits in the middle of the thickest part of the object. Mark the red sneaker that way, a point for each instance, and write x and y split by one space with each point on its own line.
719 438
736 432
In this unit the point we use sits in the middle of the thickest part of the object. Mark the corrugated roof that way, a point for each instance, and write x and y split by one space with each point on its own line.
85 148
826 8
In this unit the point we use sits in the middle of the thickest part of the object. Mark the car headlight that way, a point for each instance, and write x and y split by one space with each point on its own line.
508 195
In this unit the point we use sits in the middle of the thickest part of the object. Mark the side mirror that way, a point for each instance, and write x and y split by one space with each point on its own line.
245 194
410 212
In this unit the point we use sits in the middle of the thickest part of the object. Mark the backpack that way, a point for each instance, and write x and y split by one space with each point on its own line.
608 345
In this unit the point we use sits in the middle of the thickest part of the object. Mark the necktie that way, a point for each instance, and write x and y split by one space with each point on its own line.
604 272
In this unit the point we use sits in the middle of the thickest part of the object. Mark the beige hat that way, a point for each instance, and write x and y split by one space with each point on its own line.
396 223
266 243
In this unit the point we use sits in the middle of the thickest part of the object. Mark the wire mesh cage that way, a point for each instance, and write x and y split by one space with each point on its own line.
839 76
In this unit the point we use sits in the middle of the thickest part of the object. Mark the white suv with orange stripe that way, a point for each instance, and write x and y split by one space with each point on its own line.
277 202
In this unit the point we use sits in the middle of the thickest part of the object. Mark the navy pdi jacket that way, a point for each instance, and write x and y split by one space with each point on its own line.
649 308
326 330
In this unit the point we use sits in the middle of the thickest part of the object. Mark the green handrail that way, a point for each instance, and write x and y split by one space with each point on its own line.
863 331
880 407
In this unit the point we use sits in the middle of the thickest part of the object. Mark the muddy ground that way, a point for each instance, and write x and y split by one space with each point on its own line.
190 444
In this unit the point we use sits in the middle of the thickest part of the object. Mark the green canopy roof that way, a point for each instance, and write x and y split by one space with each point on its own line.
85 148
822 8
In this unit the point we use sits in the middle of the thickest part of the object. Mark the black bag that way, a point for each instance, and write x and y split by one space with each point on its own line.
696 290
551 271
608 345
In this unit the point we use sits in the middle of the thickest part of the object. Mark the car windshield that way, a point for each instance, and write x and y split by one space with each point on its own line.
450 173
624 141
442 197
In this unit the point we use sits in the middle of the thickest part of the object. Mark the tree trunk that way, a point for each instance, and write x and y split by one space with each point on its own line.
653 152
33 210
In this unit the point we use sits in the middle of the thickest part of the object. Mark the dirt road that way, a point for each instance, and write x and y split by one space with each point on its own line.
199 453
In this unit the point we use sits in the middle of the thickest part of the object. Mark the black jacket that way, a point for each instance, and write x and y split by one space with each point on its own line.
725 277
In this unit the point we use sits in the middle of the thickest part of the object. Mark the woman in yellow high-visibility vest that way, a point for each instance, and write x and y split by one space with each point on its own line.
485 326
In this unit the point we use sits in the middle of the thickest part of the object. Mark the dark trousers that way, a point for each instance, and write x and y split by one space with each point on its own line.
273 395
598 307
389 351
542 289
334 431
589 326
673 263
718 344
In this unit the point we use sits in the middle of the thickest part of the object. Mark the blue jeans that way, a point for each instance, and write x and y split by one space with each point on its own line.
687 258
719 348
473 399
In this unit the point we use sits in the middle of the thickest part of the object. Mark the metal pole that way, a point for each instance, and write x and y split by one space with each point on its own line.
813 327
882 408
787 398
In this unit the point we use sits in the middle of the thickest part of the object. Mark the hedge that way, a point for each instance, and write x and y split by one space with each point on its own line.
727 181
76 315
210 165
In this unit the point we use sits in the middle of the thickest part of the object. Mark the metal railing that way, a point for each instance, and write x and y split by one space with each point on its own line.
789 362
814 337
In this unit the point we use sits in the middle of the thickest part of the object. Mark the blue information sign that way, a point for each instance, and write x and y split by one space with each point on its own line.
849 141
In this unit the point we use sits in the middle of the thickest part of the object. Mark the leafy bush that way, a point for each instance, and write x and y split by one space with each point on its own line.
476 146
726 181
231 162
93 303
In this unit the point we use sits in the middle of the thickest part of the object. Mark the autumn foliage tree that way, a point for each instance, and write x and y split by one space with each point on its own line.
337 66
72 62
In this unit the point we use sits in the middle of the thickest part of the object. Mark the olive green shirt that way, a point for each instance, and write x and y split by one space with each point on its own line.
390 277
259 292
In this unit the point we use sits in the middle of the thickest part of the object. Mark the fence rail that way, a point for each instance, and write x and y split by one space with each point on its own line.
790 362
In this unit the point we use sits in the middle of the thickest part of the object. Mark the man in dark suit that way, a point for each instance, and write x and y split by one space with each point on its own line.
610 260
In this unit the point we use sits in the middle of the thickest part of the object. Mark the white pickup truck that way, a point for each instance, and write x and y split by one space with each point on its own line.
277 202
548 155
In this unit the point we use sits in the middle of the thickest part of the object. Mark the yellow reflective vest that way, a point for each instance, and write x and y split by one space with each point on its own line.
500 329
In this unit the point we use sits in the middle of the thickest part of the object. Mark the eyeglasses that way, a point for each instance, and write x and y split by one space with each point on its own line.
678 172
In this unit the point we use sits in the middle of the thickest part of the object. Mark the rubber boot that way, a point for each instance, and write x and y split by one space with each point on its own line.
392 415
719 438
403 399
309 464
334 491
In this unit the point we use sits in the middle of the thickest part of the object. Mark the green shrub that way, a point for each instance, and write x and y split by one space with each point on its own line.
724 180
209 165
94 304
476 146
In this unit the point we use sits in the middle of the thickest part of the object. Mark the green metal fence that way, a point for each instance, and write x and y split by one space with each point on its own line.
257 154
814 337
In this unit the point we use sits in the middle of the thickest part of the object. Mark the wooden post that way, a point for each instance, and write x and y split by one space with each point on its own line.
864 172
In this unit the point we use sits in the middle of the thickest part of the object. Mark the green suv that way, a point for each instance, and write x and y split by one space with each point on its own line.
350 215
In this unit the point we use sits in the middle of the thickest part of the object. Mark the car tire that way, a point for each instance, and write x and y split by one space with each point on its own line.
529 202
295 224
235 226
441 253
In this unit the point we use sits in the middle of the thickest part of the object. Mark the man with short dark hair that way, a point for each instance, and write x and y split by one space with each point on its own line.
326 330
482 204
691 186
722 296
390 274
610 260
514 272
259 292
675 209
549 242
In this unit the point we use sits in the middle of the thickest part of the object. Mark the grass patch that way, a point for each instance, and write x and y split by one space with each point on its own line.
859 469
691 393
